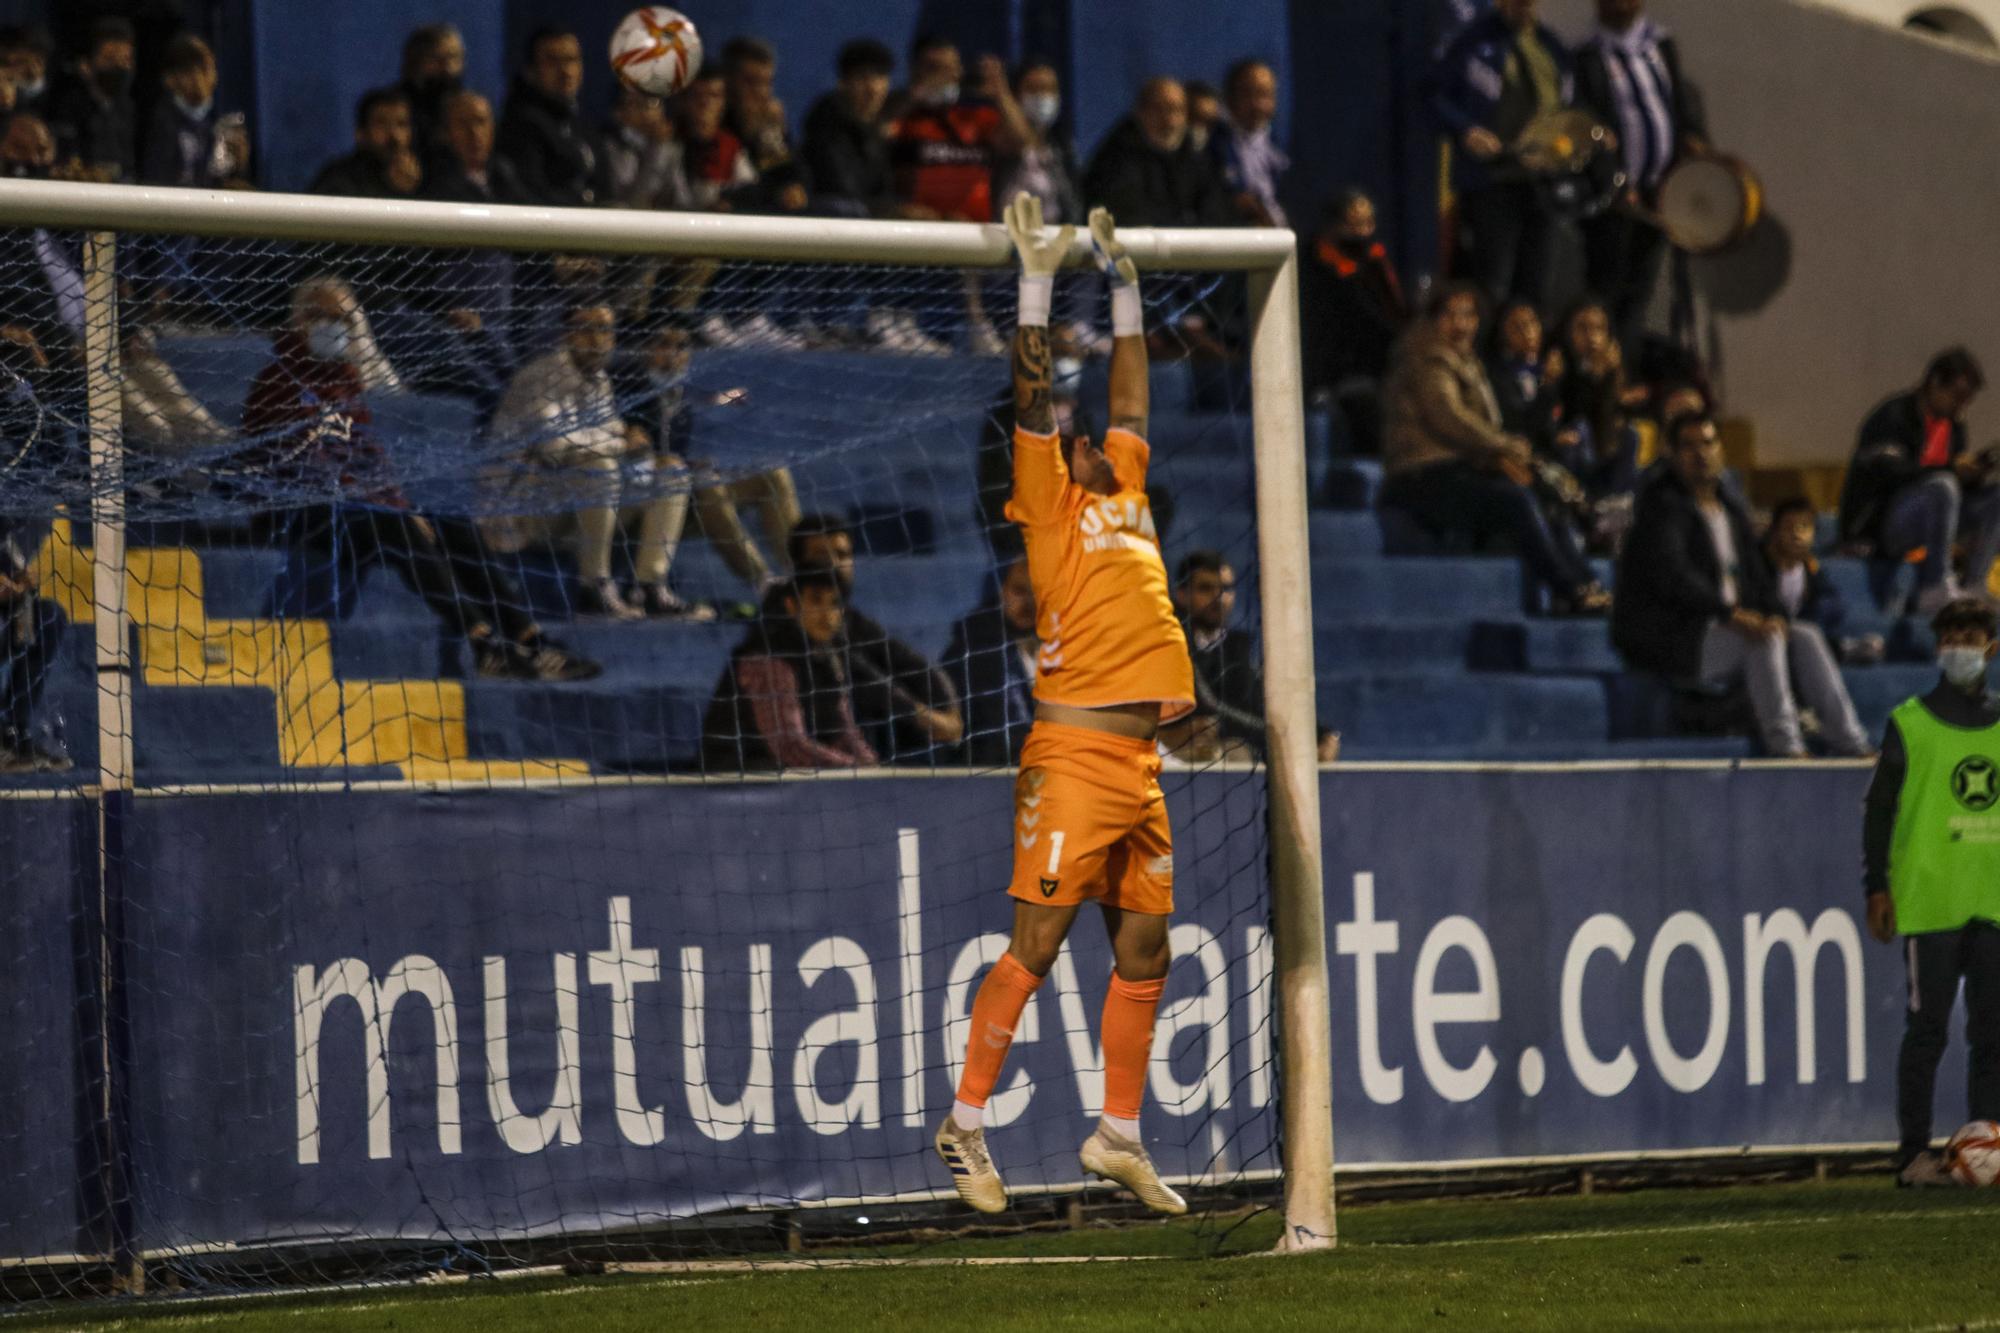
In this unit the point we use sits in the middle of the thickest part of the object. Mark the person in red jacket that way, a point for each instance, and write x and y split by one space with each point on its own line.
312 446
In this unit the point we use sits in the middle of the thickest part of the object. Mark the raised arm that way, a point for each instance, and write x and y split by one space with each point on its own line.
1131 381
1034 365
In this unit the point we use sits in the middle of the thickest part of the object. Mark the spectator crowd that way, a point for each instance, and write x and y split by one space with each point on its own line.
1561 434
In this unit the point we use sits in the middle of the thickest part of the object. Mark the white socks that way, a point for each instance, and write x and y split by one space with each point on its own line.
966 1116
1125 1129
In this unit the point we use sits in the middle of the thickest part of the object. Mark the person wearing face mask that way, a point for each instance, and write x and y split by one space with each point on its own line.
337 504
24 62
1046 165
1931 868
1354 311
945 145
187 142
433 70
92 115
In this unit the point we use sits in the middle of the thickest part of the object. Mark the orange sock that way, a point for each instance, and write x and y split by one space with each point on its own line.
1127 1028
995 1010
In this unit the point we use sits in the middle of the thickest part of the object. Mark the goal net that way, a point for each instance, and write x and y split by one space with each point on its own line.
510 751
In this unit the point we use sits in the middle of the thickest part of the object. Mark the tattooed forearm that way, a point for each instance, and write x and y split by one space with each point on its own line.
1034 373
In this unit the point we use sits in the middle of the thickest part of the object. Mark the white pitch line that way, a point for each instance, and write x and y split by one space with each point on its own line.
1687 1228
724 1266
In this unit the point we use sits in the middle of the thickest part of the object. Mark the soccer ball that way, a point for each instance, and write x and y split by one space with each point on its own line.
656 50
1973 1155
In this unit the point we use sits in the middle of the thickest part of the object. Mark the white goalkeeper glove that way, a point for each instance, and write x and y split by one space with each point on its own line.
1040 256
1128 316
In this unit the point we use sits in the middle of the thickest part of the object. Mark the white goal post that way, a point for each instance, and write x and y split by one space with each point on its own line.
1266 256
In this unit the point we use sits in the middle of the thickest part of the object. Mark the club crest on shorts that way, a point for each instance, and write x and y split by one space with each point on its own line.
1049 886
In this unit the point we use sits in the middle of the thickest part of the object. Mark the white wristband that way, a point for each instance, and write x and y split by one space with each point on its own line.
1036 294
1128 313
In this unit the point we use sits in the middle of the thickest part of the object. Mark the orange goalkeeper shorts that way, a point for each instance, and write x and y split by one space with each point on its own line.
1090 822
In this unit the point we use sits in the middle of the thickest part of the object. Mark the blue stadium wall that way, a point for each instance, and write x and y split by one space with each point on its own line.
1594 963
1350 69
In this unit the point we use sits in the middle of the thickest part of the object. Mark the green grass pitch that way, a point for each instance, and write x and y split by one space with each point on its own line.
1852 1254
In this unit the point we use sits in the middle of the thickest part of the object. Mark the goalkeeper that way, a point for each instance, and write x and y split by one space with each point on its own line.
1090 822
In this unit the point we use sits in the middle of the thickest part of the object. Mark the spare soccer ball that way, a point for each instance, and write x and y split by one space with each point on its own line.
1973 1155
656 50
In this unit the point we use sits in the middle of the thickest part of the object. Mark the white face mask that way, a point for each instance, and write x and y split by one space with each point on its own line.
31 91
328 342
1041 109
945 94
193 110
1963 667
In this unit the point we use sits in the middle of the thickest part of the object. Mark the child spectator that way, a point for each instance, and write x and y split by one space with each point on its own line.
1527 379
786 699
756 116
1596 444
1805 593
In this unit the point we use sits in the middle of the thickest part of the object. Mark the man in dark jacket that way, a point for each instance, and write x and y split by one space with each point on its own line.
907 705
553 149
786 699
1499 73
1629 76
382 164
92 114
1696 602
846 145
1148 174
991 660
1912 484
1805 592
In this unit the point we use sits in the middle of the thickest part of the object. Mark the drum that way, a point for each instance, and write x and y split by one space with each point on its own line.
1709 202
1570 158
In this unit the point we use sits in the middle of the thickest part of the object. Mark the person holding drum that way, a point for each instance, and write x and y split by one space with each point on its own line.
1629 76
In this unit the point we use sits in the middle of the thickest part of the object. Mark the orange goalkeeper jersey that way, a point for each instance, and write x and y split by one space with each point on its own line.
1102 612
